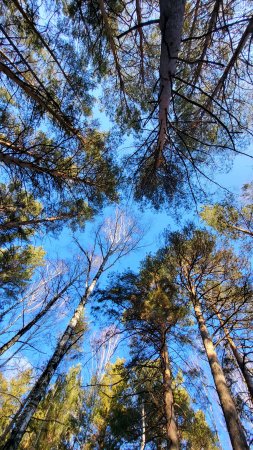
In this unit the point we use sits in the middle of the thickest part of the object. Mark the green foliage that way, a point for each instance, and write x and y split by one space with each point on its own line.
114 415
194 431
17 265
229 218
58 418
12 391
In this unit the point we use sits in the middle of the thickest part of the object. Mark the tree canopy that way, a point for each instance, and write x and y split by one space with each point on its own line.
114 112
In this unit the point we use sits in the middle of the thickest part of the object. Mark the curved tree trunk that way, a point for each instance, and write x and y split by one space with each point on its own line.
234 427
171 427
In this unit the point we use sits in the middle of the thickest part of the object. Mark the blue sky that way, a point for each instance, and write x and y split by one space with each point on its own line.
153 223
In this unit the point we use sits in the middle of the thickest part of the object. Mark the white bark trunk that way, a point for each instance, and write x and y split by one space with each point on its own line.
38 392
143 424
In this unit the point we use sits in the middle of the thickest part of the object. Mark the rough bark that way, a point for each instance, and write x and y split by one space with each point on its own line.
171 24
171 427
234 427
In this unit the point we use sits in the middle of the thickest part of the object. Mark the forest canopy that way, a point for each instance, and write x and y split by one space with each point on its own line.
114 112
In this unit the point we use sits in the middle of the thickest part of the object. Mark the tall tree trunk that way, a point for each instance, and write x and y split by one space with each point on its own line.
171 427
143 426
234 427
240 359
171 24
22 419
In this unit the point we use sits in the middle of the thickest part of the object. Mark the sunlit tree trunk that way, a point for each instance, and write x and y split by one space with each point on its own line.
143 425
114 238
171 427
234 427
39 390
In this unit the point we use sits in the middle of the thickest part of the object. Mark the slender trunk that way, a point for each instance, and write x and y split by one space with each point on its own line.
42 430
39 390
171 24
38 316
240 359
22 223
40 37
140 32
194 21
241 44
111 42
234 427
211 26
171 427
22 419
143 425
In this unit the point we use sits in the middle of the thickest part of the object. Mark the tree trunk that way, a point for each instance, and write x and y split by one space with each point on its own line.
171 427
236 54
38 392
171 24
143 426
211 26
240 359
111 42
242 230
234 427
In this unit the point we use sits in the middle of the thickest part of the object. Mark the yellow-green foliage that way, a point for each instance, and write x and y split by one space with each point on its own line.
11 393
57 418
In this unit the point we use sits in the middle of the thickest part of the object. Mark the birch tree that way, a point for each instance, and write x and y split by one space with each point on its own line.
113 240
